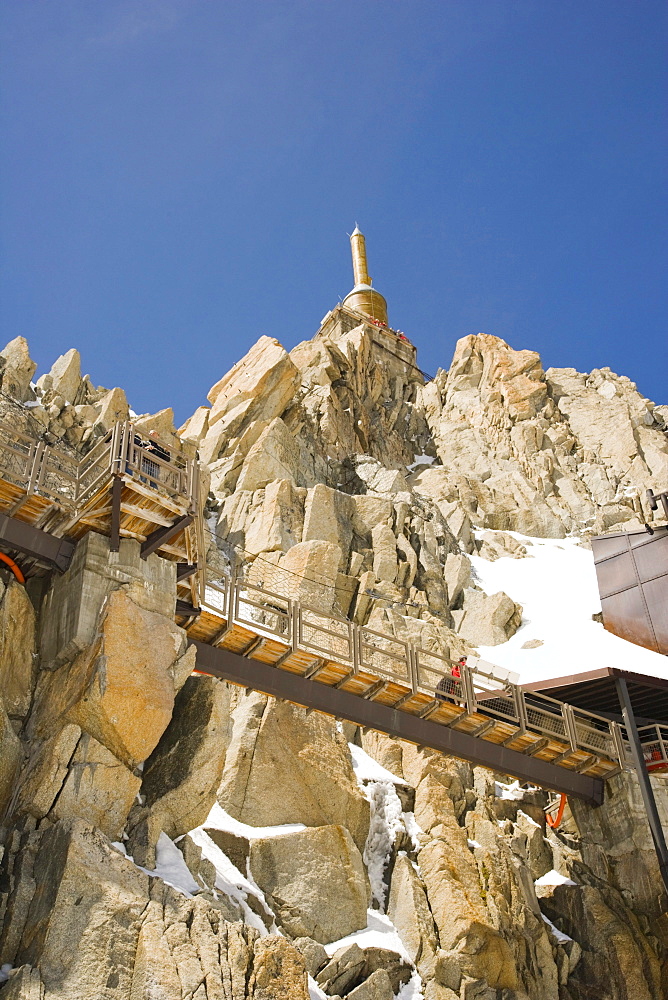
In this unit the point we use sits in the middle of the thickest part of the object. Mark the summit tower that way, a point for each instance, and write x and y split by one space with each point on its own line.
364 306
363 297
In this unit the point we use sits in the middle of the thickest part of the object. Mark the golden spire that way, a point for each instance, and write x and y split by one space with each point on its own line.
358 249
363 298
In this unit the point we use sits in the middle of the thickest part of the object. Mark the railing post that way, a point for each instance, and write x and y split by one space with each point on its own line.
360 644
413 666
355 639
618 743
201 577
569 723
469 690
232 597
294 619
186 480
192 486
127 442
116 495
661 743
520 707
116 467
36 468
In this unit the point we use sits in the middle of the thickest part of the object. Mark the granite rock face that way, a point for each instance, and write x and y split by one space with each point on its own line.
181 776
17 369
167 836
91 924
543 453
17 650
285 765
121 689
314 881
11 752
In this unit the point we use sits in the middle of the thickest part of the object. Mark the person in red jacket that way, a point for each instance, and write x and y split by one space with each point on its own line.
457 668
450 685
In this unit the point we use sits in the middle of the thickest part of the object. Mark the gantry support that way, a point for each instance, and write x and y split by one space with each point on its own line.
333 701
56 552
116 494
163 535
644 781
185 570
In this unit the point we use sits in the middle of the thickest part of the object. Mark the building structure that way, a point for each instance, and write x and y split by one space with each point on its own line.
364 304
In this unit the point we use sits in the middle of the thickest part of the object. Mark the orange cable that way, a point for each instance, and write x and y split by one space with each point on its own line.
16 570
554 821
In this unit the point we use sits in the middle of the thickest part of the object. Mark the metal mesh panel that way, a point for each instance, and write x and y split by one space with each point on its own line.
502 706
157 467
94 469
47 471
653 752
594 734
58 478
546 722
313 590
331 636
215 596
450 689
16 455
434 676
492 694
259 608
654 741
385 655
594 739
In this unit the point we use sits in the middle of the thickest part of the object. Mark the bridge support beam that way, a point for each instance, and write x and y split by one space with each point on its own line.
365 712
163 535
34 542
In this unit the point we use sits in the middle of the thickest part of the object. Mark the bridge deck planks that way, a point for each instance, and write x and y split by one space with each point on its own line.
137 497
143 510
271 650
30 511
95 514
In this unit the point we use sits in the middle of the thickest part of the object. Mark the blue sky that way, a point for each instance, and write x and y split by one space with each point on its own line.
178 177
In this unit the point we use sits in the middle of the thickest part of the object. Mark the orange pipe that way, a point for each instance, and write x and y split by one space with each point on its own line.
554 821
14 568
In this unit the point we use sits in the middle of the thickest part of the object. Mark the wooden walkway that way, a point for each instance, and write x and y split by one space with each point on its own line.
131 486
127 486
269 629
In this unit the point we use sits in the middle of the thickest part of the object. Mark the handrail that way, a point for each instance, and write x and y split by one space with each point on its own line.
36 467
72 483
654 741
48 470
477 689
69 481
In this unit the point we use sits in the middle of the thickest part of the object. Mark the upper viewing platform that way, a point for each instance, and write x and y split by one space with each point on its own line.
129 485
342 319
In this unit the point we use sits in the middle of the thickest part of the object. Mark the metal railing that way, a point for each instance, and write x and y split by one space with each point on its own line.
654 741
475 687
126 452
37 468
69 481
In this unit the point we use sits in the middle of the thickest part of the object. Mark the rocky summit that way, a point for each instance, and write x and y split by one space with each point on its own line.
168 835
